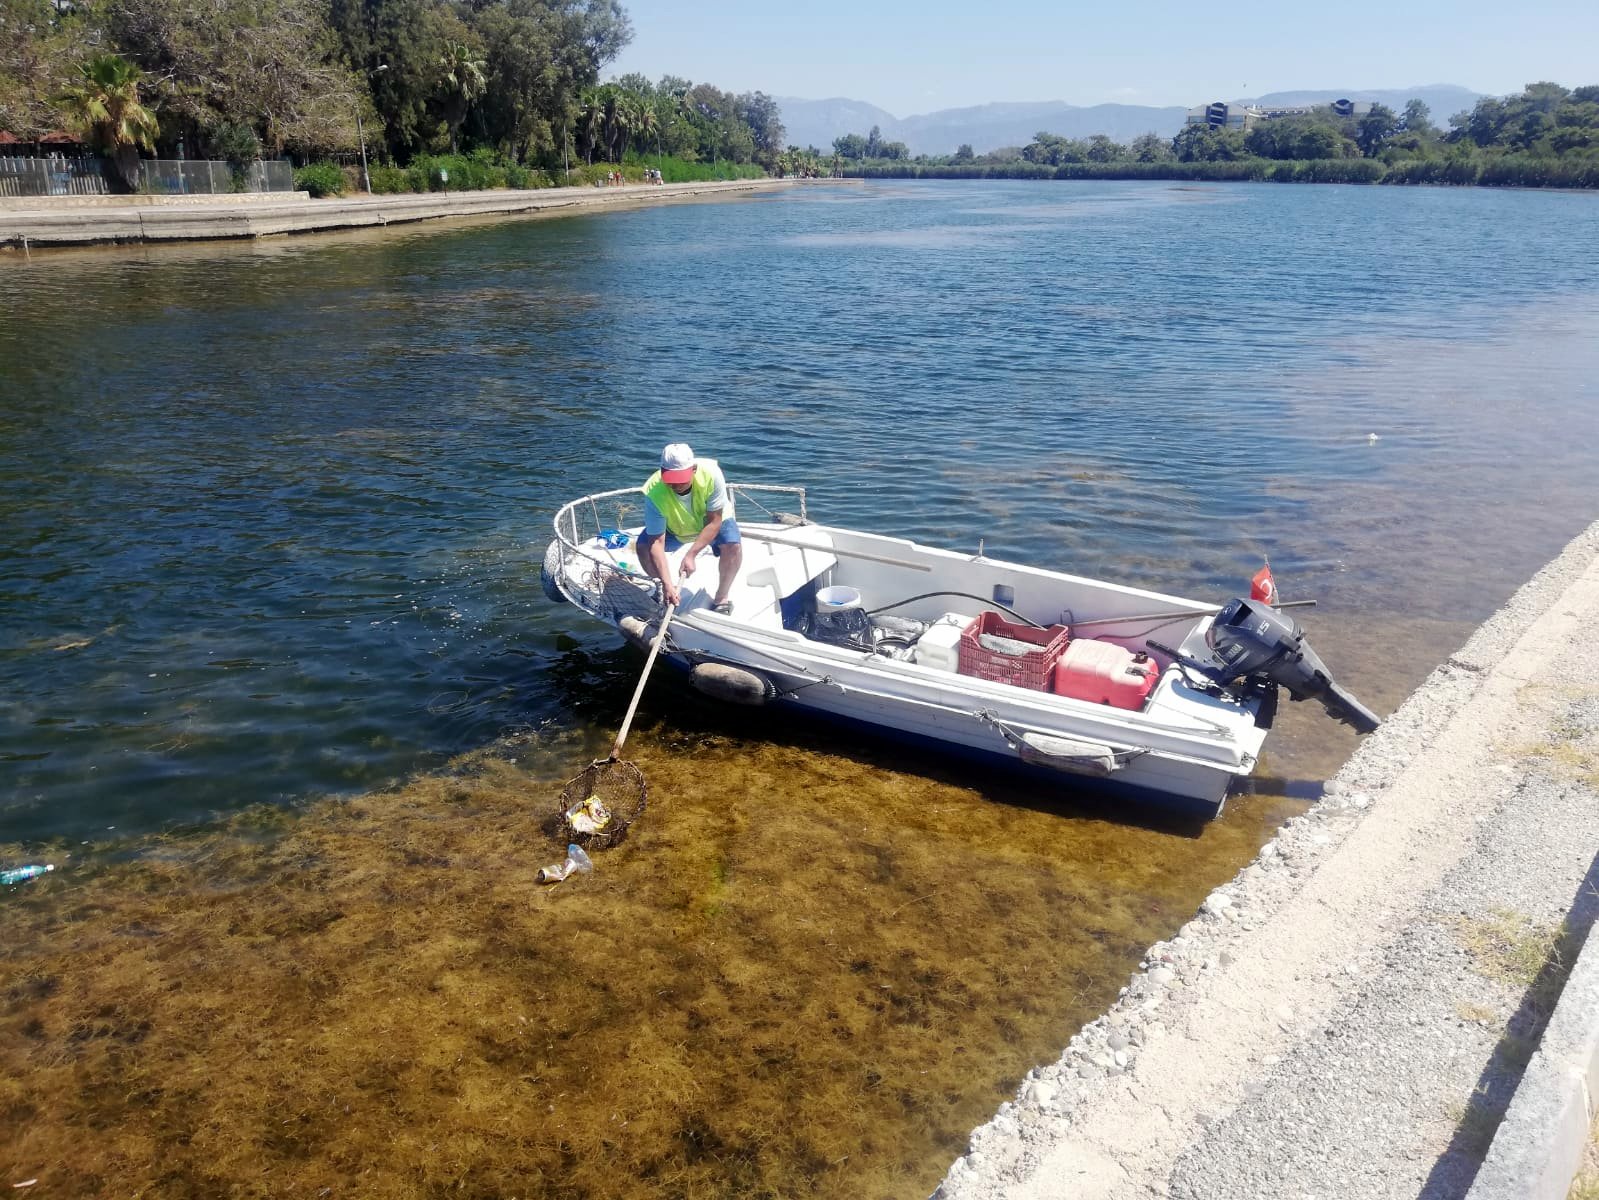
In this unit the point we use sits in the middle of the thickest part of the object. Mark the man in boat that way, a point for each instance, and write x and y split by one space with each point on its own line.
686 502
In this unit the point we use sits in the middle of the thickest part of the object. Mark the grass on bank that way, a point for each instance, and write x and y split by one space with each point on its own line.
1530 959
1511 949
483 170
1586 1185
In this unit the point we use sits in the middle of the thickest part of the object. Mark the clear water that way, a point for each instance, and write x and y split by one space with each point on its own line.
273 512
274 516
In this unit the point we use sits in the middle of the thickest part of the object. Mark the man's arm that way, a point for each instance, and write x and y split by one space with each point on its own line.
663 572
713 526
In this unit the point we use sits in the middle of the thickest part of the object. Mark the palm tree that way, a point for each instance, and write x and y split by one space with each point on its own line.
649 125
632 109
590 124
616 122
105 108
464 82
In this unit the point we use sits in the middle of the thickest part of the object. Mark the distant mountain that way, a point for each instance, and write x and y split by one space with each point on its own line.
818 122
986 127
990 126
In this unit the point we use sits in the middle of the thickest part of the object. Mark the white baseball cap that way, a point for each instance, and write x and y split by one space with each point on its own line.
677 463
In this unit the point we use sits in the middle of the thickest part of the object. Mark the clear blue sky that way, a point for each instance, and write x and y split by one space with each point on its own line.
913 56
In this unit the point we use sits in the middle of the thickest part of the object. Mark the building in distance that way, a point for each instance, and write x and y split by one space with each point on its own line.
1219 114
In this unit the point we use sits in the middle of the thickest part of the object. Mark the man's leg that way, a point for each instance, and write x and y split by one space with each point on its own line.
729 550
727 565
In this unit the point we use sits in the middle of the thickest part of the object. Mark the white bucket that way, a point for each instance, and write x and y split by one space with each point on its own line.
833 599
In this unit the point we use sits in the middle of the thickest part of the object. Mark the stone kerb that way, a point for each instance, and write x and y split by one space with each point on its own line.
199 200
273 213
1538 1149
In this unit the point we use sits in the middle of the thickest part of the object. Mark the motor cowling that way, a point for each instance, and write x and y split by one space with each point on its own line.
1250 640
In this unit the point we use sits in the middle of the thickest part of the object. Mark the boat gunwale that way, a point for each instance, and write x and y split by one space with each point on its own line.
1233 736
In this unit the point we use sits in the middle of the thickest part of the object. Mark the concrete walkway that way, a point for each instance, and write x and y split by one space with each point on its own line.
196 218
1353 1015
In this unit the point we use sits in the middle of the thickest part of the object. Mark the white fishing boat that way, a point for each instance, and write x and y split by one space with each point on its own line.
1154 697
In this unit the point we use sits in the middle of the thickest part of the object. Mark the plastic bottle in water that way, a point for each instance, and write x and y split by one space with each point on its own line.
577 863
23 874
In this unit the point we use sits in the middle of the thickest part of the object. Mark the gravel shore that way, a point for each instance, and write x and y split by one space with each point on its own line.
1351 1015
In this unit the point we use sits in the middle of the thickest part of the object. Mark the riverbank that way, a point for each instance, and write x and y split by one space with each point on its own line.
1352 1015
199 219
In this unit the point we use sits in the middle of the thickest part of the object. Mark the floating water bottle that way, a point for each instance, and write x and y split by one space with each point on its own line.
577 863
23 874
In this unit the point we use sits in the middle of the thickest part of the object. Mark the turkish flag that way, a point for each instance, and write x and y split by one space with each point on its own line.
1263 586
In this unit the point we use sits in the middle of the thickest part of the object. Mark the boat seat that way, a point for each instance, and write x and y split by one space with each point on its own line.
770 573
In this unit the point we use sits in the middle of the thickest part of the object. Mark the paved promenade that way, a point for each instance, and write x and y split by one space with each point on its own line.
197 218
1356 1013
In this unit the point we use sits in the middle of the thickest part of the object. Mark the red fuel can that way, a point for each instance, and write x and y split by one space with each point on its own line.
1105 673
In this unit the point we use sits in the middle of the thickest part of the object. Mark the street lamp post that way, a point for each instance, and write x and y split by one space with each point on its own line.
366 177
360 134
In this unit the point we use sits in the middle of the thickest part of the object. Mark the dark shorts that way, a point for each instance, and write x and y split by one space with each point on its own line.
727 535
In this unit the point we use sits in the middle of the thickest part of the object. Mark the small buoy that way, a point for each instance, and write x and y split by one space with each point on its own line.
1069 754
637 631
1371 437
732 684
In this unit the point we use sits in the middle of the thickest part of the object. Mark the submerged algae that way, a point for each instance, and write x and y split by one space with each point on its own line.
801 974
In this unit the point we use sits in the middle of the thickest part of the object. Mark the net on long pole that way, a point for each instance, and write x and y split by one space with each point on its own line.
600 803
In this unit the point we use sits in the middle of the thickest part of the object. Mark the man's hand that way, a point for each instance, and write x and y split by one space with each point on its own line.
687 568
670 594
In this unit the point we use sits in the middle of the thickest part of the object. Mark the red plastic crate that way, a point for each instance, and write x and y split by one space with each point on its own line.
1031 670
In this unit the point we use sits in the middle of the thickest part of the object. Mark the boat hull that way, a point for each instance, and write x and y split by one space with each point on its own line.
1198 793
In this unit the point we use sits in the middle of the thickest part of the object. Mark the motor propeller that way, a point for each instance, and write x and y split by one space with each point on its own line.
1252 640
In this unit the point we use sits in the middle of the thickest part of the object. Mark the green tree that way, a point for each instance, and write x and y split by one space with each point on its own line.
1324 141
104 106
648 128
39 49
851 145
1483 124
761 114
1200 143
269 65
1102 150
963 153
1150 147
616 114
1050 149
590 125
532 95
1374 130
463 82
397 47
1417 119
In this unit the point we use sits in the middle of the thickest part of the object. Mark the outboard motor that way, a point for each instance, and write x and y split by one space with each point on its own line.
1251 639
